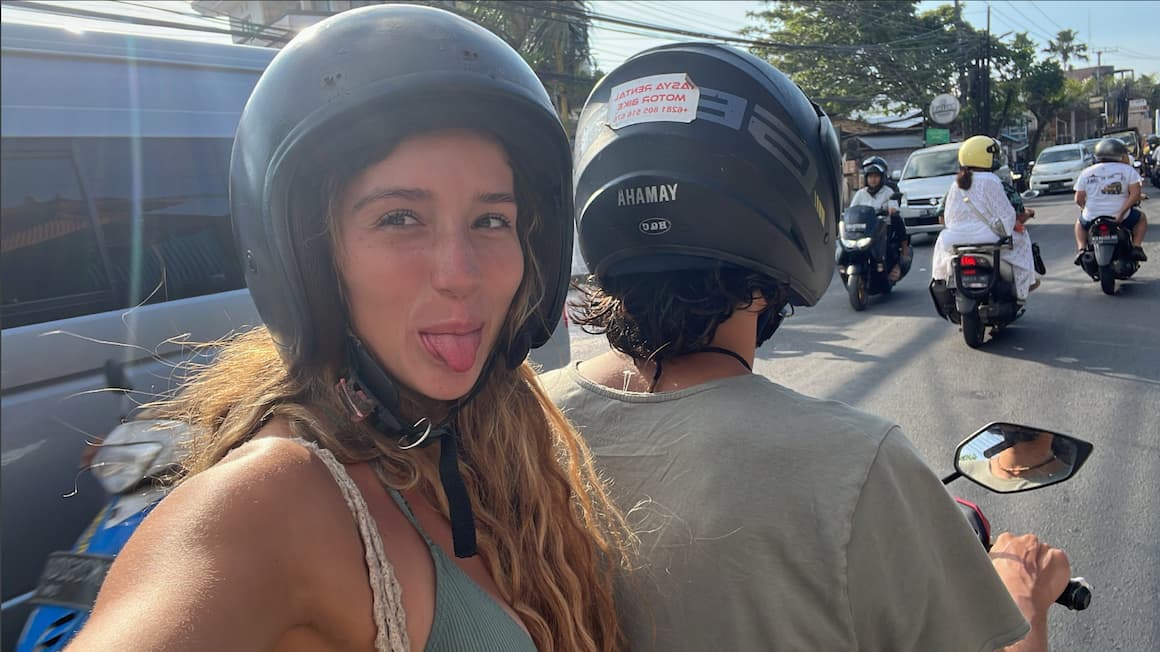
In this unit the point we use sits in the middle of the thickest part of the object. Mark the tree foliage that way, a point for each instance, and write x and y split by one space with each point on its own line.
552 36
857 55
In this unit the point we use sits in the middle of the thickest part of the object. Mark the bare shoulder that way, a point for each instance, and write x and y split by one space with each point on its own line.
238 534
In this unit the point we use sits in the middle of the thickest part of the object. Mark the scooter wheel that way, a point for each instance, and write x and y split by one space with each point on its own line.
972 329
1107 280
856 290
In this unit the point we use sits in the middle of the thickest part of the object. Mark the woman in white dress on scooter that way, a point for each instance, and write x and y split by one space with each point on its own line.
978 211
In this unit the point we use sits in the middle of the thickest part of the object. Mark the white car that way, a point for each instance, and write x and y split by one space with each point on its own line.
1058 167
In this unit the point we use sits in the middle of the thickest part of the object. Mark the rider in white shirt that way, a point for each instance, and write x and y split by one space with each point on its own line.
878 195
1110 188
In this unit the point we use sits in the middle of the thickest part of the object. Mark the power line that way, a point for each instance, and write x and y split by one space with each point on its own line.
1045 15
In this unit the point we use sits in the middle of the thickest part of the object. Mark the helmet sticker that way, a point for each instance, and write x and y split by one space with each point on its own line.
657 98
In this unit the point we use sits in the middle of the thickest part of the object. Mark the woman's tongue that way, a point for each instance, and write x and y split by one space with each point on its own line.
456 350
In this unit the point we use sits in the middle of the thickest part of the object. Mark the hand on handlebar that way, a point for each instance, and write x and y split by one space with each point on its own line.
1034 573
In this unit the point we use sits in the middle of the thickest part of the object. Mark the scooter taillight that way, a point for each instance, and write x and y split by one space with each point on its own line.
973 273
1104 229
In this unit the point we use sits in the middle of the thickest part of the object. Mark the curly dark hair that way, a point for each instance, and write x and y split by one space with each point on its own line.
661 315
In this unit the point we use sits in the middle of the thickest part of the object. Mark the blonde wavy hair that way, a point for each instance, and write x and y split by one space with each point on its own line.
547 530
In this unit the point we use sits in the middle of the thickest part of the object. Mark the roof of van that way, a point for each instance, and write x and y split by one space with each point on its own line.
1064 146
938 148
58 83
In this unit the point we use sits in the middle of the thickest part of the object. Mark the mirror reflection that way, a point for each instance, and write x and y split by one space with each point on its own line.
1007 457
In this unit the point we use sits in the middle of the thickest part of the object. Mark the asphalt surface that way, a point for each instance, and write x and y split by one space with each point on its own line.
1078 362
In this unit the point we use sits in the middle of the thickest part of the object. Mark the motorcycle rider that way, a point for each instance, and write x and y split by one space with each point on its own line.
1111 188
978 210
767 519
878 195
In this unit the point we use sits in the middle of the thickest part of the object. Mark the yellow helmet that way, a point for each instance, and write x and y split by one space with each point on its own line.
979 152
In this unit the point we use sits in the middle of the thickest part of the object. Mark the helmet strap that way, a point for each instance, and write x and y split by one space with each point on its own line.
770 320
370 394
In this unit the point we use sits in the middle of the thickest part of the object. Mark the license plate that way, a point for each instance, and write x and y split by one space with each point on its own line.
1102 239
71 580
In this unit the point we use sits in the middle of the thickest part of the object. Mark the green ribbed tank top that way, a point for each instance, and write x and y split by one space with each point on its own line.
466 618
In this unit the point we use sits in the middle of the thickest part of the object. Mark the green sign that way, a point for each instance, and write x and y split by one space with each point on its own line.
938 136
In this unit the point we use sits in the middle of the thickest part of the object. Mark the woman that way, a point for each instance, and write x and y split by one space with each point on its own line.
400 190
878 195
978 211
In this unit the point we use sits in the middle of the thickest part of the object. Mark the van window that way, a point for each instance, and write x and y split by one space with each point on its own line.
51 261
932 164
1060 155
162 227
164 214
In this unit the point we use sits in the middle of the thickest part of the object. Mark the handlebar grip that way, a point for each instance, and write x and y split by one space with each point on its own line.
1077 596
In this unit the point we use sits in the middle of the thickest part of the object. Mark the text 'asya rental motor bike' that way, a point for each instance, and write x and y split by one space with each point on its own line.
1108 256
866 254
980 292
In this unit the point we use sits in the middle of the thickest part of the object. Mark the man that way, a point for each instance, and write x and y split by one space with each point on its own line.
878 195
1111 188
767 519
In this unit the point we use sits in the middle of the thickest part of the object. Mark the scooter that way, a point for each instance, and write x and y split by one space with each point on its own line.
980 292
991 458
1108 255
864 259
135 463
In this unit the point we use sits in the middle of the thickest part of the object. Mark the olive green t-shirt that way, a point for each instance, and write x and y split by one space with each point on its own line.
772 521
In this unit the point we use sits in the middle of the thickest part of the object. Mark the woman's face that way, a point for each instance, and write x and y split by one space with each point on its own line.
873 179
430 258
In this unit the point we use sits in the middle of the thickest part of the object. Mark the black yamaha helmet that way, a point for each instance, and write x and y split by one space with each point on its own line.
1111 149
371 75
692 153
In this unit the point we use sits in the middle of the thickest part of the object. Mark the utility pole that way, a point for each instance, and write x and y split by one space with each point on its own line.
962 58
987 77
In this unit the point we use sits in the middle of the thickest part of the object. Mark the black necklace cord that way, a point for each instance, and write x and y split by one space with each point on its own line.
708 349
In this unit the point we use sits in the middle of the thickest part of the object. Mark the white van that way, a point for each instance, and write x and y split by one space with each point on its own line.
116 245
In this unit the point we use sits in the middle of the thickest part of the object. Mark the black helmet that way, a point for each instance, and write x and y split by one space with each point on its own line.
1111 149
696 152
874 165
372 75
873 162
1153 140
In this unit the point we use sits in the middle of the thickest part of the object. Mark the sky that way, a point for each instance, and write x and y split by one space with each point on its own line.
1119 28
1126 30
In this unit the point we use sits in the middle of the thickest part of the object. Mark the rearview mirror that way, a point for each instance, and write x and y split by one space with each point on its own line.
1009 457
896 196
1030 194
896 174
1031 164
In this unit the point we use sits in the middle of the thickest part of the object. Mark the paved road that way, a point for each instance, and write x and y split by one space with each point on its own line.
1078 362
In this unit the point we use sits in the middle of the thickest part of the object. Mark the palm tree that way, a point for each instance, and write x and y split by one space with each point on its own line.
1066 46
